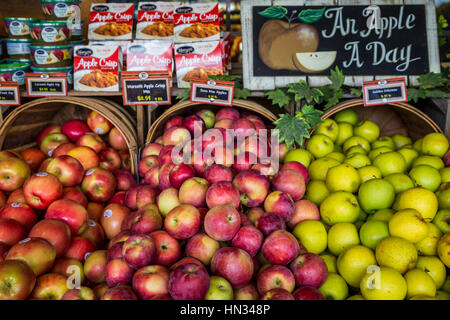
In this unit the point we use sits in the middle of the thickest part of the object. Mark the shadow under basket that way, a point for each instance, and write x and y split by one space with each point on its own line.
393 118
21 127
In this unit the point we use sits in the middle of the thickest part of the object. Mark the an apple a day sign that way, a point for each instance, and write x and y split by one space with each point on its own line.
285 41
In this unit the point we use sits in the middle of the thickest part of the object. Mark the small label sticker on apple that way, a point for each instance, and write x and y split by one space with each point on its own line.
89 172
25 240
16 204
99 131
107 213
50 153
41 174
91 223
87 255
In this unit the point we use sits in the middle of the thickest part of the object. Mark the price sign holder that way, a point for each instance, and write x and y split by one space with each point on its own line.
384 91
46 85
141 88
212 92
9 93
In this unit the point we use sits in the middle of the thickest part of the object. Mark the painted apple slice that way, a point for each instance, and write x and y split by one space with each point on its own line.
312 62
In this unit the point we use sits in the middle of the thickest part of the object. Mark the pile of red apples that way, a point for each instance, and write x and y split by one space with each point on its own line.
76 225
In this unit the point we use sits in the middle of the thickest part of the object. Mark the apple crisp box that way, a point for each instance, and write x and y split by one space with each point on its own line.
155 20
196 22
225 42
123 44
197 60
111 21
97 68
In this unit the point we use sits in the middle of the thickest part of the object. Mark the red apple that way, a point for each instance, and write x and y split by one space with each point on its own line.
168 250
41 190
19 212
115 252
139 251
16 196
309 270
290 182
95 266
146 164
111 220
120 292
258 146
180 173
277 294
221 193
63 149
253 214
33 157
118 272
202 162
51 142
202 247
109 159
16 280
95 210
74 194
99 184
193 191
13 173
176 135
98 123
164 175
120 237
173 121
223 124
125 180
69 267
275 276
11 231
146 220
222 222
72 213
244 161
74 129
3 249
304 210
126 159
447 159
100 289
280 203
228 113
53 128
165 156
150 281
243 127
91 140
151 178
83 293
67 169
195 125
117 140
56 232
308 293
188 282
152 149
146 195
294 165
247 292
50 286
280 247
182 222
86 156
186 260
80 248
95 233
252 186
44 165
9 154
270 222
233 264
223 156
218 172
248 238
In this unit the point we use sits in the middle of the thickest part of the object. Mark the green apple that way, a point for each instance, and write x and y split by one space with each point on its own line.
330 261
446 286
418 145
368 130
338 156
409 155
384 141
329 128
356 141
320 145
421 199
337 148
338 207
375 152
400 181
372 232
433 161
397 253
219 289
334 288
355 150
312 235
401 140
369 172
208 117
383 284
382 215
300 155
356 297
419 283
426 176
341 236
435 144
444 199
428 245
409 225
423 297
443 249
345 132
316 191
353 262
347 115
389 163
434 268
442 220
442 295
376 194
358 160
318 169
445 174
343 177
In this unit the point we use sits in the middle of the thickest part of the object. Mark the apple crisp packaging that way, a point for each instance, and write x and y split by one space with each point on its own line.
97 68
123 44
155 20
225 42
197 60
196 22
111 21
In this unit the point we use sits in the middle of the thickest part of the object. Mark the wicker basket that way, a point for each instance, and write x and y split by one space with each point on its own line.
392 118
23 124
188 107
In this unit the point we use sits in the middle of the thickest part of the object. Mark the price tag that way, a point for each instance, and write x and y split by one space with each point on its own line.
384 91
46 85
9 93
144 88
212 92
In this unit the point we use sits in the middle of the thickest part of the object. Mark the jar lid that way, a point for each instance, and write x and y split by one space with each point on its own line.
46 23
54 69
51 47
21 19
19 40
13 67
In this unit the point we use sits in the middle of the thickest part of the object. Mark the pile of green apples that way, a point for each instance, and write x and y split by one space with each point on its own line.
384 226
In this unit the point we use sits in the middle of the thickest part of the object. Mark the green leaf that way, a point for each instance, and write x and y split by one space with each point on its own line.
333 100
291 130
337 78
311 115
241 93
279 97
275 12
435 93
311 15
414 94
431 80
356 92
185 95
301 90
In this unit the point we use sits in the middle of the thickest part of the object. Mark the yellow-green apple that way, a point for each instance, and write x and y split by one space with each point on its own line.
202 247
194 124
307 293
328 128
91 140
152 149
221 193
151 177
17 280
95 266
109 159
37 253
186 260
83 293
75 194
98 123
80 248
188 282
120 292
440 220
67 169
51 142
309 270
253 214
277 294
376 194
55 231
248 238
252 186
13 173
74 129
11 231
304 210
176 135
33 157
435 144
180 173
368 130
139 250
117 272
41 190
53 128
50 286
182 222
168 250
164 175
146 164
167 200
426 177
150 281
19 212
117 140
280 203
280 247
72 213
443 249
219 289
208 117
338 207
222 222
95 233
372 232
173 121
269 222
112 217
247 292
86 156
63 149
146 220
193 191
320 145
68 267
99 184
233 264
228 113
95 210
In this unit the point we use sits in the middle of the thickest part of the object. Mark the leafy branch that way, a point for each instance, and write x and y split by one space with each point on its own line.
441 25
431 85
